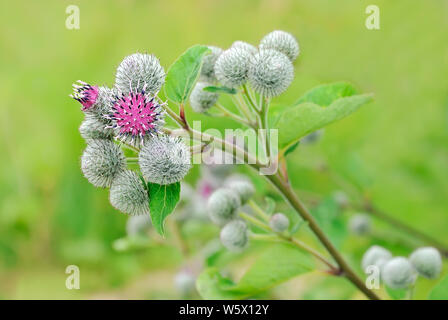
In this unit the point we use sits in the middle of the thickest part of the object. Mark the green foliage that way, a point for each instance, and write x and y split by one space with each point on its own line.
183 74
396 294
316 109
162 201
220 89
440 291
279 263
329 218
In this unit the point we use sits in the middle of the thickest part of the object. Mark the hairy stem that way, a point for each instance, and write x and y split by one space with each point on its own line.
289 195
283 238
230 114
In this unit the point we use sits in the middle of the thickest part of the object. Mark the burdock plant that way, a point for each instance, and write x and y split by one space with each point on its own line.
240 81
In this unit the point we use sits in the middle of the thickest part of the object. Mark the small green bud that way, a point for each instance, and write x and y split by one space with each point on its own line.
244 189
281 41
201 100
398 273
101 161
222 206
208 65
234 235
427 261
373 255
279 222
128 195
232 67
270 72
341 198
360 224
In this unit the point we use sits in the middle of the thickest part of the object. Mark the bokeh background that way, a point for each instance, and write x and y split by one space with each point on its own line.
394 150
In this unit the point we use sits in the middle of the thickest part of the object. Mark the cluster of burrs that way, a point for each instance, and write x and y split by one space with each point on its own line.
129 115
401 272
268 68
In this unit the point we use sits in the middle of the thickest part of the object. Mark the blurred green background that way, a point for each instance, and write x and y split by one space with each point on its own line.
395 149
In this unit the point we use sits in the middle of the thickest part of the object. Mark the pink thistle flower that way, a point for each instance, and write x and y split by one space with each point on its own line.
85 94
136 115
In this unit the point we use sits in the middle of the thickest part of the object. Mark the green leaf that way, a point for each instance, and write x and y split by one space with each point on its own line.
316 109
326 94
220 89
329 217
291 148
396 294
278 264
440 291
162 201
211 285
183 73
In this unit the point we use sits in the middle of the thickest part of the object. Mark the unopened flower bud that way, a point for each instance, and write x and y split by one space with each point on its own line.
281 41
372 255
201 100
244 189
270 72
232 67
360 224
398 273
101 161
140 71
245 46
128 195
234 235
164 160
208 65
427 261
279 222
222 206
94 128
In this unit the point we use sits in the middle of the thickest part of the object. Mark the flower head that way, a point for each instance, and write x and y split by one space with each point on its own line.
270 72
279 222
94 128
427 261
232 66
234 235
208 65
245 46
201 100
139 70
136 116
101 161
398 273
372 256
85 94
244 188
128 195
222 206
281 41
164 159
